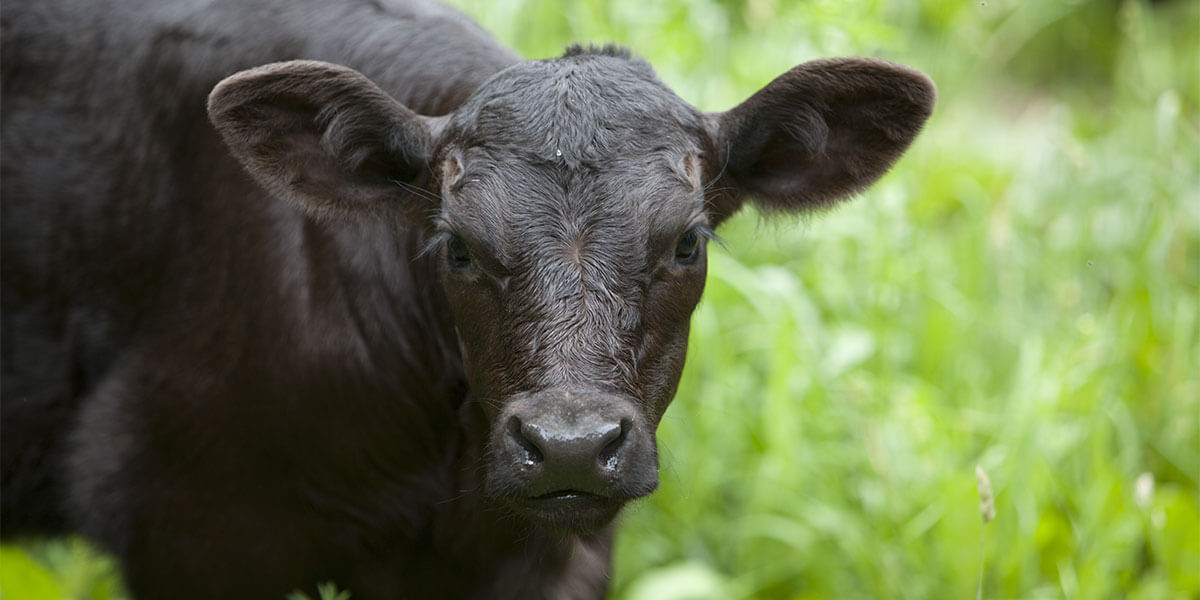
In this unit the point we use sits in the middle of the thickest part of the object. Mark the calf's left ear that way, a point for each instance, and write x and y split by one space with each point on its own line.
816 134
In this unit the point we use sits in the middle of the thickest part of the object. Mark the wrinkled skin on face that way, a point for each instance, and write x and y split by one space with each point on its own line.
573 226
569 202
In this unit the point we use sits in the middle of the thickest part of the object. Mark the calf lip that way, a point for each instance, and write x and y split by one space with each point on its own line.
561 496
570 511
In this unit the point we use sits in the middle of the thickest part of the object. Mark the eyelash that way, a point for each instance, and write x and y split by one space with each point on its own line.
435 243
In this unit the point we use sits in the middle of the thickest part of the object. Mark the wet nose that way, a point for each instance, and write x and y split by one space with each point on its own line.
564 454
594 445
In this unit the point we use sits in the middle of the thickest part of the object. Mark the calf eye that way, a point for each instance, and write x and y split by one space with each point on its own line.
688 246
457 251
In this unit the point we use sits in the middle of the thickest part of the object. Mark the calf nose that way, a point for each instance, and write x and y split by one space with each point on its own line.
570 454
556 443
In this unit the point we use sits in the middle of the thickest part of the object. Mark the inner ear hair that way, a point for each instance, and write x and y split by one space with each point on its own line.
451 169
693 170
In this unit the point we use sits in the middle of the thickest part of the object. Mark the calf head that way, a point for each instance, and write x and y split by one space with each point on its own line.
569 202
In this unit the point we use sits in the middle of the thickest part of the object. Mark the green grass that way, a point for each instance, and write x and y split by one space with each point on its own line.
1022 293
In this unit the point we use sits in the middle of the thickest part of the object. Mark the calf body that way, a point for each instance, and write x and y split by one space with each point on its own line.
403 314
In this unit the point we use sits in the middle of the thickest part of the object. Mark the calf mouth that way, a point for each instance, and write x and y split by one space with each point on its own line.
570 511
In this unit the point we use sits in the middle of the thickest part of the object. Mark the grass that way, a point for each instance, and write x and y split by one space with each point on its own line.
1022 293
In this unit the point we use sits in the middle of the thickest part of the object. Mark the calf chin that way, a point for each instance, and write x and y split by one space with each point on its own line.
569 460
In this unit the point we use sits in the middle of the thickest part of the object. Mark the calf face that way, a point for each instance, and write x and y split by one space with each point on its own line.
569 202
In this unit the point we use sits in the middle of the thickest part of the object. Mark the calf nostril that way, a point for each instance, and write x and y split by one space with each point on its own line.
530 453
613 439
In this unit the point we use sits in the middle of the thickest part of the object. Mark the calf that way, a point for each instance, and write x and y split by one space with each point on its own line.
402 312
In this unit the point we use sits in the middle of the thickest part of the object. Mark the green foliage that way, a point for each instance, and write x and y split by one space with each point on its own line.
325 591
1021 293
57 569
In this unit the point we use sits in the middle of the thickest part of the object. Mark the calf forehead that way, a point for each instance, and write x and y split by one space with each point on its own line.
572 157
582 109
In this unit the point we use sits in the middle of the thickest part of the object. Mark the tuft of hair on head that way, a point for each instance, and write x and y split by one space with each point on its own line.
609 49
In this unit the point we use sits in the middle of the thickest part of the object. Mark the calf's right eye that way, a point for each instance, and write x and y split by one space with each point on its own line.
457 252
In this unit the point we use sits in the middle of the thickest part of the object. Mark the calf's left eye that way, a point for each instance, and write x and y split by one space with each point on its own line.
688 246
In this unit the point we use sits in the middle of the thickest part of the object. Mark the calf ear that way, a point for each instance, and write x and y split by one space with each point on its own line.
324 137
817 134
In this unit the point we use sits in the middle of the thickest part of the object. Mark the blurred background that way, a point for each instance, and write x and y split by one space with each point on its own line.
1021 293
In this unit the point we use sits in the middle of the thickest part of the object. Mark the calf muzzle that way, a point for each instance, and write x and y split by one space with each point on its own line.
569 460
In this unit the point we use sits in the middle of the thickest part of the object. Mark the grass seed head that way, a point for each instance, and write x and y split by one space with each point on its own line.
987 504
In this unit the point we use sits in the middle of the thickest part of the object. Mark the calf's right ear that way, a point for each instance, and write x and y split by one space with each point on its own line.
325 138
